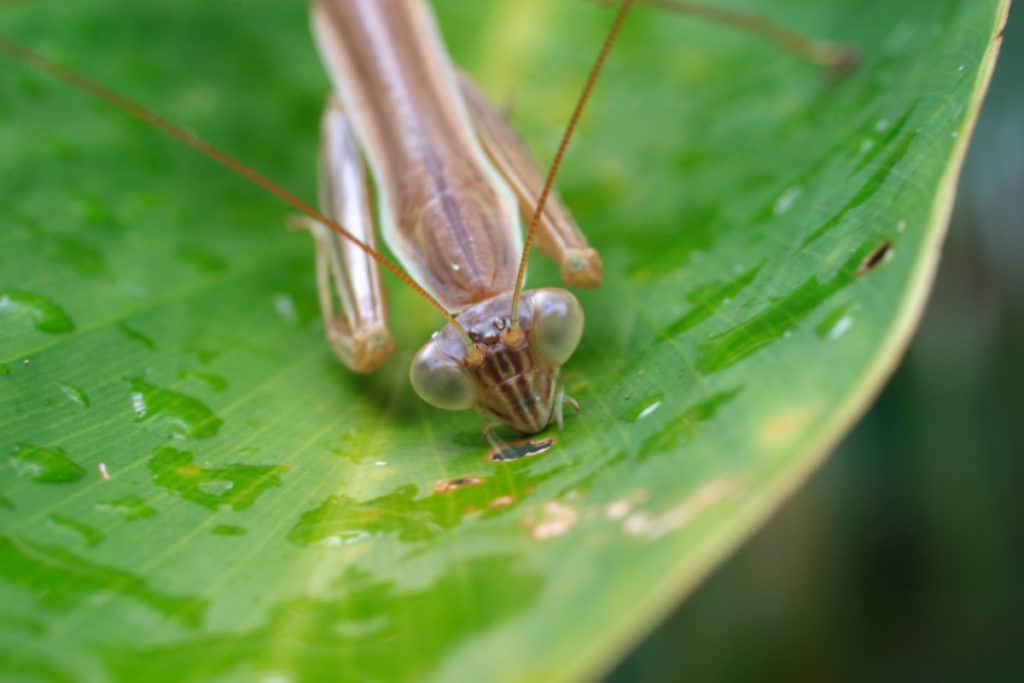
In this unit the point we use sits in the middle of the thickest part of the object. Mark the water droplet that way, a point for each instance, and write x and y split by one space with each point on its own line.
184 416
381 463
840 328
44 314
686 424
901 226
137 336
284 304
785 200
835 323
348 537
649 409
236 485
340 520
228 530
706 300
88 534
127 507
646 407
45 465
215 487
102 468
74 394
883 125
729 347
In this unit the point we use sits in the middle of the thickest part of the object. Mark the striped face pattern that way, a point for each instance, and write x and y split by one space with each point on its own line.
514 385
517 382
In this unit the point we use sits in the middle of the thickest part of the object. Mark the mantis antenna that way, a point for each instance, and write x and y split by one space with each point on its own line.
595 71
838 59
86 85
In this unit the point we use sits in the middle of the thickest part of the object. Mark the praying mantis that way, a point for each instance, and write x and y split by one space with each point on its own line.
452 180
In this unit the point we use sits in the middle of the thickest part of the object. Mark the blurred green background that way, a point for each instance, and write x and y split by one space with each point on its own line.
903 557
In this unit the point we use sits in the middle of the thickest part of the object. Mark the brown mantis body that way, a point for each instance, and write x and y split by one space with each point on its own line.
451 181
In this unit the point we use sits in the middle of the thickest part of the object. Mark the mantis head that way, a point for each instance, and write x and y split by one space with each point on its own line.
511 374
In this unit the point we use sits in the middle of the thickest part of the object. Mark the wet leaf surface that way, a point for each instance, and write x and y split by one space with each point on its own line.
193 489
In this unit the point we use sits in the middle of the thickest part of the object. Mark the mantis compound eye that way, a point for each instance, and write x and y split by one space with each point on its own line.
441 381
557 324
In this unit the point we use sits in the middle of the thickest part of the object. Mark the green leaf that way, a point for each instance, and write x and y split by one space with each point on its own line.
192 488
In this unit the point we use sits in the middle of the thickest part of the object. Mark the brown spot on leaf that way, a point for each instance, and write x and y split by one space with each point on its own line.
189 470
782 427
456 483
555 519
880 254
617 509
520 449
654 526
